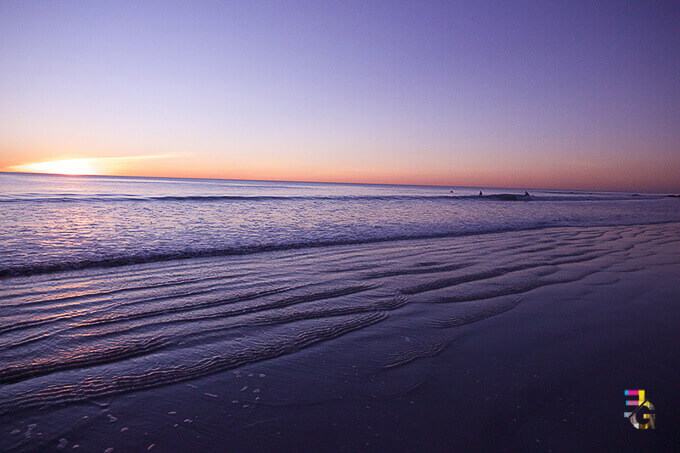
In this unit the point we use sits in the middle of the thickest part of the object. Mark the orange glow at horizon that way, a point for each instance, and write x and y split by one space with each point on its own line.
86 166
62 167
572 175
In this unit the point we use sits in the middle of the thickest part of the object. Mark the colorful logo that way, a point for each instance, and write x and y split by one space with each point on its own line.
648 416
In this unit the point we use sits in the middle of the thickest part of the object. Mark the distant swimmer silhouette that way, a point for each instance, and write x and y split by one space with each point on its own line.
480 193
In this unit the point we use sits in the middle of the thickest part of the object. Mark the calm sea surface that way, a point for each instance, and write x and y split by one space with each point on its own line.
51 223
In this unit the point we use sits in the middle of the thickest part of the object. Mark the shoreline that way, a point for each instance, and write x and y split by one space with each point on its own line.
103 265
474 337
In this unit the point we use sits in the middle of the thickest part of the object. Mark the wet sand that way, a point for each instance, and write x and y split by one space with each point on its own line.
514 341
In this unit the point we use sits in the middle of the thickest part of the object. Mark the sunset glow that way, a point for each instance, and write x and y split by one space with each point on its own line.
62 167
449 94
100 165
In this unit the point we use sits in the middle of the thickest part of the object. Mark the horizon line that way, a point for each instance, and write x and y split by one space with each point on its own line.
324 182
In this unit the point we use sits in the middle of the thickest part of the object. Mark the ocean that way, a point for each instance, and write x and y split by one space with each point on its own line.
53 223
183 314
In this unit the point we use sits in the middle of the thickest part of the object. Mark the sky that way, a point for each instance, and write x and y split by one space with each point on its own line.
572 95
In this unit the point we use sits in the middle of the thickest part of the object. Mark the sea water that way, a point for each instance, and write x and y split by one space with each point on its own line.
50 223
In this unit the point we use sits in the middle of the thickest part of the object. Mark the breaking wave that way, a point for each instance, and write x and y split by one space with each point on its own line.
76 198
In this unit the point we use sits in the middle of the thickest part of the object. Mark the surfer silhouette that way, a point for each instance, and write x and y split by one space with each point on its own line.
480 193
526 194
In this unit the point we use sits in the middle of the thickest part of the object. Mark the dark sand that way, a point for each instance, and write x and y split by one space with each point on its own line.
546 375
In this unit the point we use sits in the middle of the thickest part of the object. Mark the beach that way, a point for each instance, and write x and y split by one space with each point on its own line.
516 340
339 227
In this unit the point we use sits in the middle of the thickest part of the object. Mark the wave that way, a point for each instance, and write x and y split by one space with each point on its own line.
153 257
98 386
24 270
72 360
72 198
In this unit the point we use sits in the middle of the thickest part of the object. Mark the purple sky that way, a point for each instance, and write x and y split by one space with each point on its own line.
535 94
